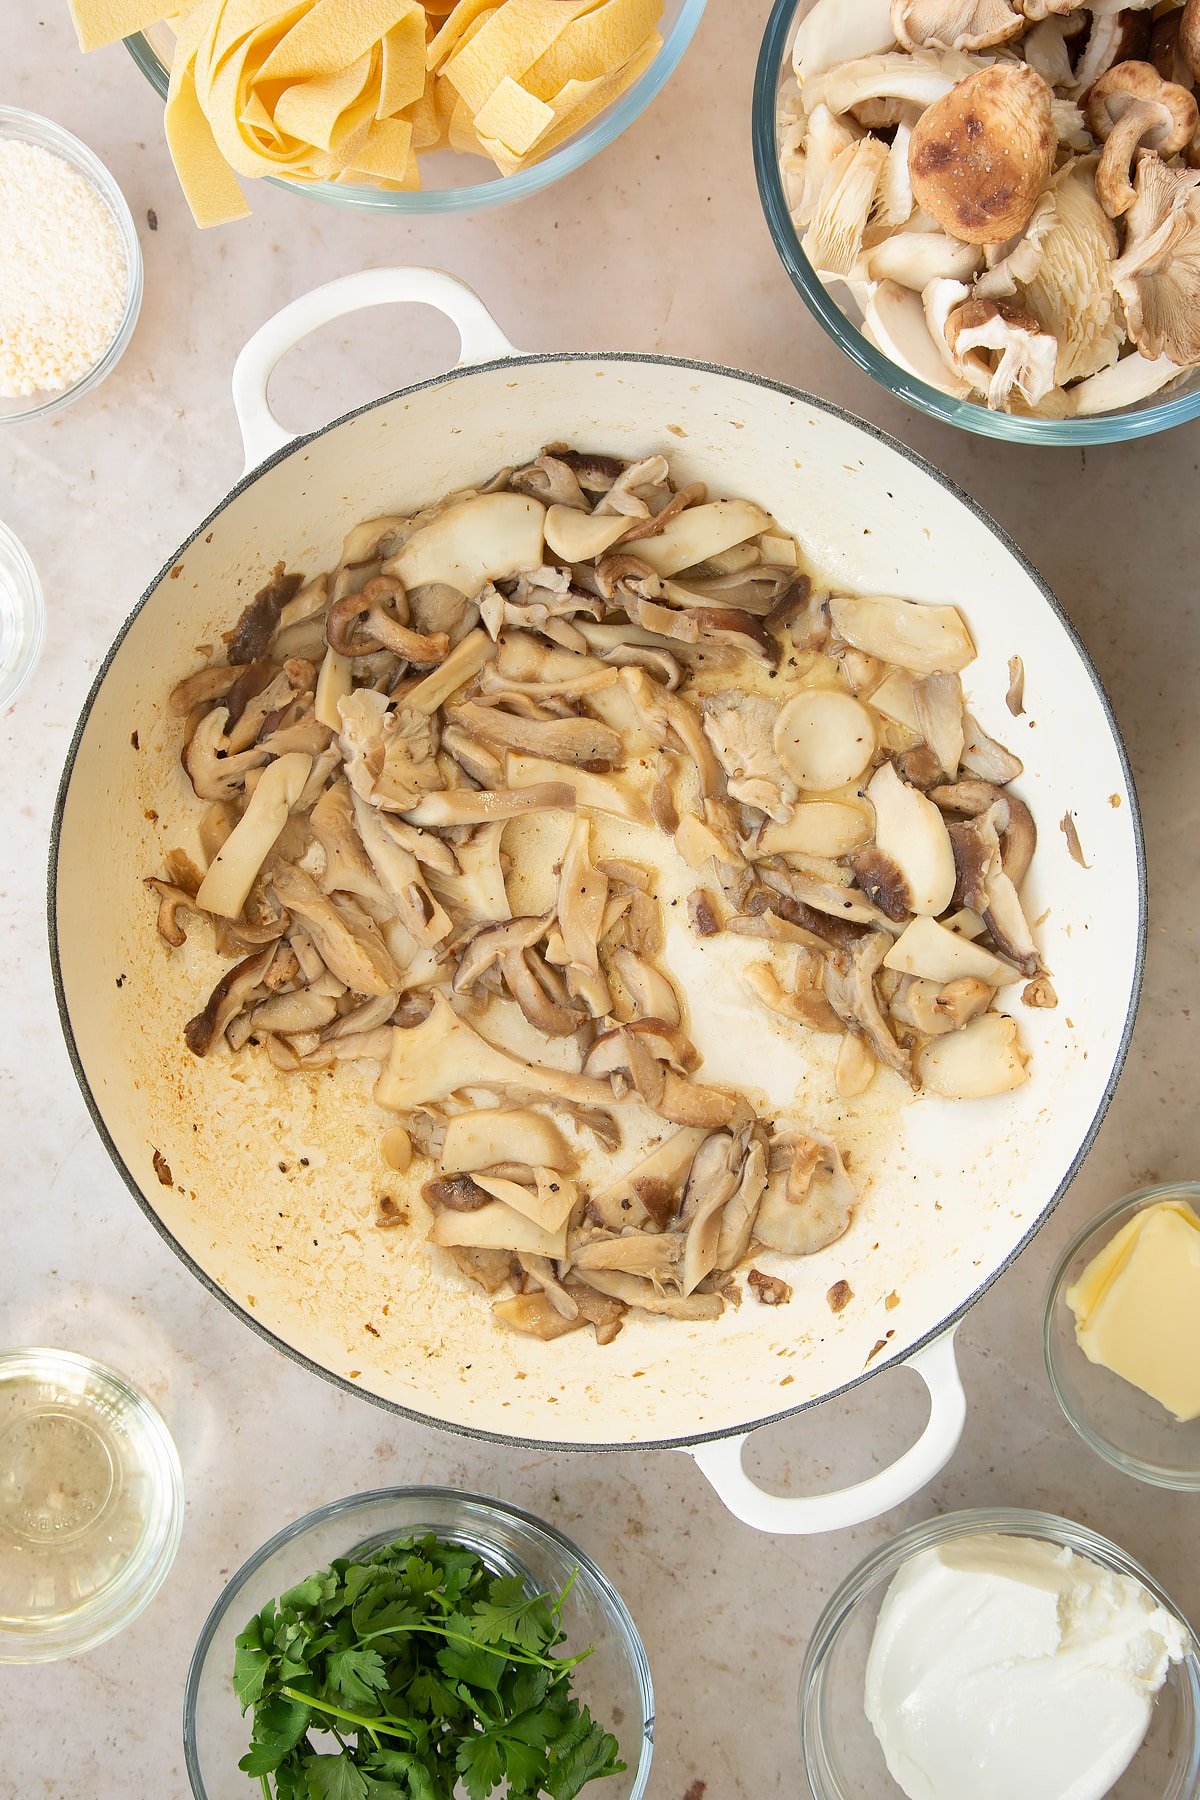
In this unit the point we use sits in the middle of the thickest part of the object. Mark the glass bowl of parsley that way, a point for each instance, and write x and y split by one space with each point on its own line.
419 1644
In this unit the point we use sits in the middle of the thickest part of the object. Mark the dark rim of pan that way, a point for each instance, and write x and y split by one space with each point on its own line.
797 398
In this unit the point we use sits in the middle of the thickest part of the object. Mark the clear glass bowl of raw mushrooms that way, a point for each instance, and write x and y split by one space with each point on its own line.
991 205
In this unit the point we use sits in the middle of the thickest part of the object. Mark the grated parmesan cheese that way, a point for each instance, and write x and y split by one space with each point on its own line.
63 274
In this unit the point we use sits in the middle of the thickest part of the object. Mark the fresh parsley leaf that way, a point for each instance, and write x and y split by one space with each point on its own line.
357 1674
513 1616
583 1754
335 1778
251 1661
480 1762
279 1724
468 1663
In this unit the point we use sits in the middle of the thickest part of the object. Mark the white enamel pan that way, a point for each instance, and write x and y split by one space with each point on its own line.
268 1189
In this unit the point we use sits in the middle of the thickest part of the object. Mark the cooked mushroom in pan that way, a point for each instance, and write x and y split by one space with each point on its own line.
1007 191
443 785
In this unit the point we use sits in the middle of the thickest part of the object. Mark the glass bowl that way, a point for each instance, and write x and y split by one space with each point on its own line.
29 128
1119 1422
774 68
457 183
91 1504
614 1681
842 1757
22 617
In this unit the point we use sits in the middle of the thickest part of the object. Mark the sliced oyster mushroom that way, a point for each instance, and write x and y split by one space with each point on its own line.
832 33
389 754
894 321
486 1137
980 156
350 943
580 902
236 989
850 989
655 1256
487 538
596 793
549 1203
497 1227
910 868
1158 277
984 757
648 989
984 1058
855 1068
464 662
924 639
579 536
806 1005
739 728
1125 383
568 740
699 533
956 24
1130 108
535 1314
649 1192
835 231
929 950
1070 289
236 865
635 1291
938 703
812 1207
921 76
737 1220
431 1061
712 1182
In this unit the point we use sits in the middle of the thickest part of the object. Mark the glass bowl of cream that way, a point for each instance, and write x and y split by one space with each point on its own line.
998 1653
1121 1335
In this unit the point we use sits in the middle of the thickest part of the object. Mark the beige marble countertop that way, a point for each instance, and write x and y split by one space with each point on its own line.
658 244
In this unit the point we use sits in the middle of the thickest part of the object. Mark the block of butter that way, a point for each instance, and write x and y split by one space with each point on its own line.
1137 1306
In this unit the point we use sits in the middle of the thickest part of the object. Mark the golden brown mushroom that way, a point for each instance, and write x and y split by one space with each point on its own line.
979 157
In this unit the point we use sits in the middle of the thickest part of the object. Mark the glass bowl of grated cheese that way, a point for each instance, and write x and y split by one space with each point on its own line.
70 269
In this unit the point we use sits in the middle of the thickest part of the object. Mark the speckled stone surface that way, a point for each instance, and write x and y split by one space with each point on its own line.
659 244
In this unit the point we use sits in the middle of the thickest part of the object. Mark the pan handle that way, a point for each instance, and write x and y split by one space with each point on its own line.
721 1463
480 338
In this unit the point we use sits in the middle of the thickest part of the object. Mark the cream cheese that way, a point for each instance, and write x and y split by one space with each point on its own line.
1007 1665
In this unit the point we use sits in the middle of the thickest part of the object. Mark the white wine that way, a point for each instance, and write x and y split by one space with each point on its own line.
90 1503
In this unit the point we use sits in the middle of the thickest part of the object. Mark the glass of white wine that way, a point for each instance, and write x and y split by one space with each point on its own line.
91 1503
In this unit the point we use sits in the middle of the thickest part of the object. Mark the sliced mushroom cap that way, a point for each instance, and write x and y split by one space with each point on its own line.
928 950
855 1068
984 1058
1129 108
649 1192
850 988
497 1227
807 1005
938 702
980 157
923 639
711 1184
431 1061
536 1315
464 661
236 865
921 76
485 1137
581 740
699 533
894 321
812 1206
487 538
911 867
636 1292
549 1203
1125 383
234 991
915 258
349 942
654 1255
651 994
824 738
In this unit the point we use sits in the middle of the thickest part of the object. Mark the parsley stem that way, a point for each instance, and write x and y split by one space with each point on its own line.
507 1654
390 1726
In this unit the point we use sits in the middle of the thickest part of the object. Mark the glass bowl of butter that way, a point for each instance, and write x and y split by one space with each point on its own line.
1121 1334
997 1653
